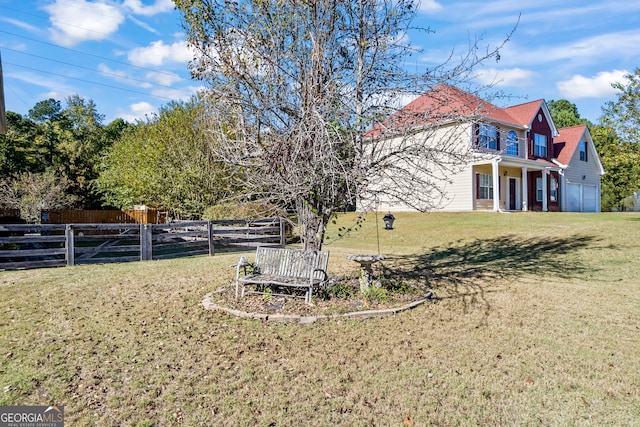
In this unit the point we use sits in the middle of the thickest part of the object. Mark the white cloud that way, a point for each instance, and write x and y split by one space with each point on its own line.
142 107
20 24
507 77
138 111
122 77
15 45
158 53
160 6
176 94
144 25
588 50
598 86
430 5
76 21
163 78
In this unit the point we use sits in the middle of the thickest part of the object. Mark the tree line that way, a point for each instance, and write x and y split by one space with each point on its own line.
616 136
291 87
64 156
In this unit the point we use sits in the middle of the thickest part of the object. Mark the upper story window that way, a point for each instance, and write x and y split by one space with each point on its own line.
583 150
512 143
488 136
539 145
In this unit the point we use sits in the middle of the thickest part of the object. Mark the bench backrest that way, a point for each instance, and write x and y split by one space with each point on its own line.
291 262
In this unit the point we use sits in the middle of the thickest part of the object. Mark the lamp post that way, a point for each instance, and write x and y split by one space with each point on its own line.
388 221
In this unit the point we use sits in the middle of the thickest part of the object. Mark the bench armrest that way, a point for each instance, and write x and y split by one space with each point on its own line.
242 263
324 273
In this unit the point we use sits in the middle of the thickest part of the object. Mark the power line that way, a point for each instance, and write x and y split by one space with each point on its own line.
56 21
90 54
16 82
176 77
91 82
98 71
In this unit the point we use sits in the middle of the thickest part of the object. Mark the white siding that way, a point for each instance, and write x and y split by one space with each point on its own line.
460 192
457 187
583 182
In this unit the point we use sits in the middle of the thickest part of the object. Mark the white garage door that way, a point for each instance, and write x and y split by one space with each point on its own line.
573 197
589 198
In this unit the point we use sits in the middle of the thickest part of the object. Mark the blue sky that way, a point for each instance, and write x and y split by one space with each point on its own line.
130 57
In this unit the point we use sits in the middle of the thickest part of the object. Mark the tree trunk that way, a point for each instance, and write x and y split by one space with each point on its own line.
313 225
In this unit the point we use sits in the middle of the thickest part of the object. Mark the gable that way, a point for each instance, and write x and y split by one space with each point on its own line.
524 113
566 147
529 113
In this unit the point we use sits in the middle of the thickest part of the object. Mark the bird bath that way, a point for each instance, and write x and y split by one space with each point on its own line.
366 272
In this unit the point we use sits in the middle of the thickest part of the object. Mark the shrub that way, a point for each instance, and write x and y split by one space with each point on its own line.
376 294
249 210
338 290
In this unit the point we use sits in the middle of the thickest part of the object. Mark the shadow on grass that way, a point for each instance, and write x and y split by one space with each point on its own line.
469 270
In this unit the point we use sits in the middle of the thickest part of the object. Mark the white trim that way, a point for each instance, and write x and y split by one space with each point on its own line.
563 189
525 186
592 147
518 193
496 185
545 192
547 115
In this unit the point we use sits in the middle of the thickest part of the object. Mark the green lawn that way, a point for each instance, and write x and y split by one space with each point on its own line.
537 322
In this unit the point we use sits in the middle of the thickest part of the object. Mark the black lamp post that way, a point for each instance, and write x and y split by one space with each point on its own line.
388 221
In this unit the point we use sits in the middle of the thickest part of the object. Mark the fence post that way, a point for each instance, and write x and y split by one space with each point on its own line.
69 245
212 250
146 242
282 233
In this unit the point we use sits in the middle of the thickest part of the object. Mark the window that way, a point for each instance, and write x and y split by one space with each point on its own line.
512 143
538 189
485 186
539 145
554 190
488 137
583 151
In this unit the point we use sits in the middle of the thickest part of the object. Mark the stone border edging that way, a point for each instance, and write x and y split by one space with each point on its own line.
296 318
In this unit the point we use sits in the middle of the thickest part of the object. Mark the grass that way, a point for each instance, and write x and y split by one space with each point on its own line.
536 323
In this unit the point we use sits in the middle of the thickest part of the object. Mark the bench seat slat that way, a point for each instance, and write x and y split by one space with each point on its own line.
286 267
271 279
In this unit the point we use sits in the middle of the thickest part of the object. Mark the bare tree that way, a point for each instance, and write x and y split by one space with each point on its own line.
32 193
303 81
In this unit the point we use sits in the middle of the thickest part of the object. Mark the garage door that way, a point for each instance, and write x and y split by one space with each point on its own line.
589 198
573 197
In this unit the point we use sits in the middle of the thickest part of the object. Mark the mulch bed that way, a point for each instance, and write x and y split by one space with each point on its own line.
324 302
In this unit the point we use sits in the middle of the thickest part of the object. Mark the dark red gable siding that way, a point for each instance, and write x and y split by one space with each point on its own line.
535 205
541 128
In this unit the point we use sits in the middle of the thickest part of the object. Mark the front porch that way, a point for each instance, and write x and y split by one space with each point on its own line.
508 185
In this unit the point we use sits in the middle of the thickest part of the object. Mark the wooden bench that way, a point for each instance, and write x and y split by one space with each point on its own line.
292 268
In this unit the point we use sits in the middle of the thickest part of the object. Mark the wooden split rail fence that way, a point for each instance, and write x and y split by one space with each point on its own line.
24 246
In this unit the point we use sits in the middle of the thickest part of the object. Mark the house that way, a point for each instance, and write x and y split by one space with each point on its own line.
517 159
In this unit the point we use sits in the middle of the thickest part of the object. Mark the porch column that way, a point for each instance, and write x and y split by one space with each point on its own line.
563 188
545 207
525 190
496 185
